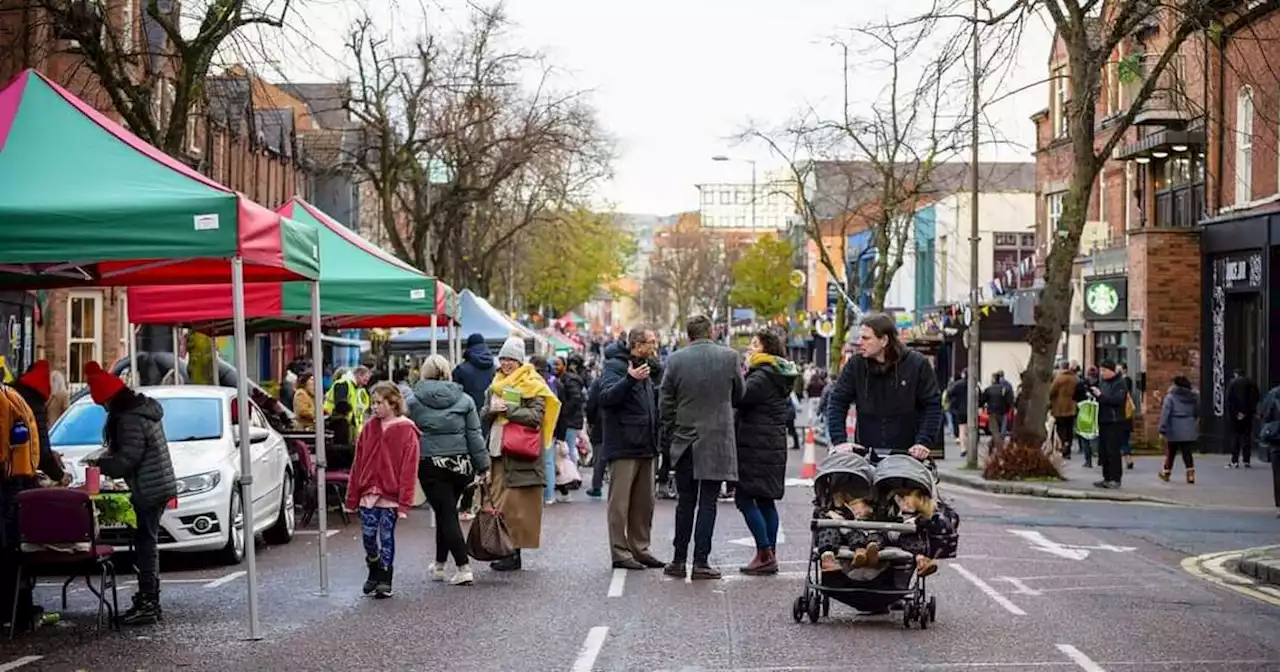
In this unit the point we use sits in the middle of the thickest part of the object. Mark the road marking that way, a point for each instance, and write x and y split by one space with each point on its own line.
316 533
19 662
989 591
750 542
130 582
1022 588
799 483
1022 665
996 558
1053 577
1209 567
590 650
1077 656
778 575
1068 551
225 580
618 582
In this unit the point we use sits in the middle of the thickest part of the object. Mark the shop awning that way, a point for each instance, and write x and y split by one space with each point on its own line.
361 287
85 202
1165 141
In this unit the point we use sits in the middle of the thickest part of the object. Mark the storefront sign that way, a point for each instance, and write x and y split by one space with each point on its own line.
1106 298
1239 272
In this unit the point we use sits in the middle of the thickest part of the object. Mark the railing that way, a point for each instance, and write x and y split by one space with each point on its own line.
1169 101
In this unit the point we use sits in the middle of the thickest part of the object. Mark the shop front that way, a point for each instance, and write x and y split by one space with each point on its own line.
17 333
1110 335
1241 324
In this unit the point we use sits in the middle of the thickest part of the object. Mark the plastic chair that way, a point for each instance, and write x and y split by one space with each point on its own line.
64 517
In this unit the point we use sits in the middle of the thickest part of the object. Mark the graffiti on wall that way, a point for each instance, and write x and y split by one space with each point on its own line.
1219 337
1177 354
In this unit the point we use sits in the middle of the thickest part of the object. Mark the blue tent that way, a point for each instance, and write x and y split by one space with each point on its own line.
478 317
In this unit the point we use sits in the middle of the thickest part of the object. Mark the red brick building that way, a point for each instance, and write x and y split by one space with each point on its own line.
1168 213
245 146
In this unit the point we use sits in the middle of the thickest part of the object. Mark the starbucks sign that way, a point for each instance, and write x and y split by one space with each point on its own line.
1106 299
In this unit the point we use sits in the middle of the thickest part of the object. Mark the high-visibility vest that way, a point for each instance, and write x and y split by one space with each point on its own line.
357 396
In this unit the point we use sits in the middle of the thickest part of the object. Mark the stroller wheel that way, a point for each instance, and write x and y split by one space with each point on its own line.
826 606
798 608
933 609
815 607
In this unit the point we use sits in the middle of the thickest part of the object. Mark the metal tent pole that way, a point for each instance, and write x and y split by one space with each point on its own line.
317 387
246 447
435 337
133 356
177 365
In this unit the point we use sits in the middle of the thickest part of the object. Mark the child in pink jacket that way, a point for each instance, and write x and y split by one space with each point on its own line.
382 482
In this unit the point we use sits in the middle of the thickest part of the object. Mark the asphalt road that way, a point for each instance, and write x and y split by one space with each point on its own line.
1039 584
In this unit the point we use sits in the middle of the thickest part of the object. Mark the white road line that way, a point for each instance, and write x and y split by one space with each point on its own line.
1082 661
1053 577
19 662
1022 588
590 650
316 533
225 580
989 591
999 558
618 582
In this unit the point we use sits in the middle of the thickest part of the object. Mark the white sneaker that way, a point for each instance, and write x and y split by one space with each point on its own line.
437 572
549 502
562 498
462 577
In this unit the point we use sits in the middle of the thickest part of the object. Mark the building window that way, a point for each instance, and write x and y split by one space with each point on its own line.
708 197
1053 206
741 196
1112 73
1244 146
741 222
1059 102
84 333
725 198
1008 253
1178 183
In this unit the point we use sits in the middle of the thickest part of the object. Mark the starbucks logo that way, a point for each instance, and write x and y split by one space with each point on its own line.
1102 299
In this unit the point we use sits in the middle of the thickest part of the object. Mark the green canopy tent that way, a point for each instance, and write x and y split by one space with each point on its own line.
84 202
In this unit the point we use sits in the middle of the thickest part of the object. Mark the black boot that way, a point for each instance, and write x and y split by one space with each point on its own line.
383 587
145 610
371 582
511 563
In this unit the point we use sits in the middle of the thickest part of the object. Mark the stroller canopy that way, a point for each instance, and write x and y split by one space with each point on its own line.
849 472
896 472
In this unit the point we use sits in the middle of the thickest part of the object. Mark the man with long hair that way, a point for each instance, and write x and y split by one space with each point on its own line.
894 389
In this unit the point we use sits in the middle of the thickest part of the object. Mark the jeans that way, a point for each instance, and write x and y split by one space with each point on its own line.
998 424
1110 439
571 438
694 499
1086 448
378 532
443 488
761 516
549 468
1241 444
597 468
146 539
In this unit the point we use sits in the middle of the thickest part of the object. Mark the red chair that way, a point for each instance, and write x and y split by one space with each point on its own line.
335 487
65 517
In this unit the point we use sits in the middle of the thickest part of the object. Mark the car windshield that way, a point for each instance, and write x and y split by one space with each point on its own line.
185 419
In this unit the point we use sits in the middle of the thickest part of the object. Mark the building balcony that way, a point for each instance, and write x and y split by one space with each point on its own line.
1169 103
1109 257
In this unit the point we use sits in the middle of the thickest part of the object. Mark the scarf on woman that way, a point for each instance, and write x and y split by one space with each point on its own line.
783 366
530 385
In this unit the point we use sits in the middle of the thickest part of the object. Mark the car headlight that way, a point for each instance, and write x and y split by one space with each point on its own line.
194 485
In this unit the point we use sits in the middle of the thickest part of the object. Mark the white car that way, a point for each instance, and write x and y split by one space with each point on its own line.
203 445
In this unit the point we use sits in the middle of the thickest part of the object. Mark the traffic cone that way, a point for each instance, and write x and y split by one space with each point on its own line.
810 468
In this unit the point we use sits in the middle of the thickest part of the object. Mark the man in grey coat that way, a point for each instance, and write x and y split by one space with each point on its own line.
700 387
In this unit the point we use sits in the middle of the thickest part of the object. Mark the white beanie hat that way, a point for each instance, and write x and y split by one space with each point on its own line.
513 348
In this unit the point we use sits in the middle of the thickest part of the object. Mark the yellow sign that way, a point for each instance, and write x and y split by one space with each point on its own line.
826 328
797 278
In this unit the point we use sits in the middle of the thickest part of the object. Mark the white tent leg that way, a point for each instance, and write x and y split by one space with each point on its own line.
246 447
435 337
177 371
317 386
134 378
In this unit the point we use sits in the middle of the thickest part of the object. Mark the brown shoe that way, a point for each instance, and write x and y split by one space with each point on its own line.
860 557
873 554
705 573
770 562
827 563
1164 475
1191 475
675 570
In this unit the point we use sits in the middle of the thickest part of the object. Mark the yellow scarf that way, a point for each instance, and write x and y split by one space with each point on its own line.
530 385
757 359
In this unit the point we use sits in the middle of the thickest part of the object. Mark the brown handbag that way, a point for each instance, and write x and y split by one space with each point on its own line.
489 539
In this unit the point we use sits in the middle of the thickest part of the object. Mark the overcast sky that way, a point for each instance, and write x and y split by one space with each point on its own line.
675 80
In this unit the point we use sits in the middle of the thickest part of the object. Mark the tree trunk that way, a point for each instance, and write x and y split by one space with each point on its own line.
836 342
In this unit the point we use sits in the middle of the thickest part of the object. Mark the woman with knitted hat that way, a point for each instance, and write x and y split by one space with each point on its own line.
135 450
35 386
519 420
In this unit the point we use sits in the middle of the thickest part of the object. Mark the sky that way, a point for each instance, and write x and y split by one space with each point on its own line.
675 81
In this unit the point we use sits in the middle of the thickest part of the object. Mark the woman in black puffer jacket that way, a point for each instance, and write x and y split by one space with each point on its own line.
761 431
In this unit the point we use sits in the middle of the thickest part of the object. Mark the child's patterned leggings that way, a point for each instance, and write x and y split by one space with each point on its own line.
378 530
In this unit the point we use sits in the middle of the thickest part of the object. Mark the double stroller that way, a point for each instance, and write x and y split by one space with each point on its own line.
877 559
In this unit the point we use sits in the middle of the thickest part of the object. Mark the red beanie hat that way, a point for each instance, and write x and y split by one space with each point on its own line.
37 377
102 385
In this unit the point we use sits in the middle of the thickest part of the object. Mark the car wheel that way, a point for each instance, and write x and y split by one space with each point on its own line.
282 531
233 552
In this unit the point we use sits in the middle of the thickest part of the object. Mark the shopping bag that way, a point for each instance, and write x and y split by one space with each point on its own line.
419 497
489 539
1087 419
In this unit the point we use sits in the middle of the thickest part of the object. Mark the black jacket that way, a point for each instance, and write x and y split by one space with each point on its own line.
39 409
997 398
899 403
958 399
137 450
573 401
761 430
1242 397
1111 402
595 422
628 408
475 373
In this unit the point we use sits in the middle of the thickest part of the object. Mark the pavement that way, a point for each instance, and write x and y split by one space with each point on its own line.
1039 584
1262 564
1215 486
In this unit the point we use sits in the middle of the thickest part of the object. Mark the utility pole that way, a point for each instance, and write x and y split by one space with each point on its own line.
975 311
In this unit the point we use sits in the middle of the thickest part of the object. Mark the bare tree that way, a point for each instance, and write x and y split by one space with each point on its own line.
686 263
1089 31
472 155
